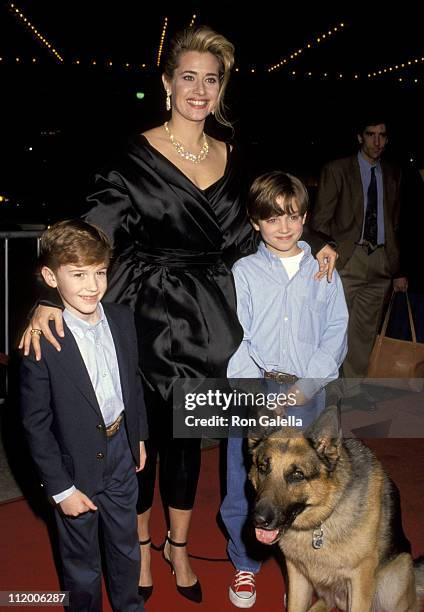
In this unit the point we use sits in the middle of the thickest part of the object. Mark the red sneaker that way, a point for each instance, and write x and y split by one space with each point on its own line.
242 591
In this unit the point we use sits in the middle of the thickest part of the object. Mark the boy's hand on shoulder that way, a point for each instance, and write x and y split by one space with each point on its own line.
77 503
142 457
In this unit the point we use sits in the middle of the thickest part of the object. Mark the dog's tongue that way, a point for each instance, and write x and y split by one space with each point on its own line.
266 536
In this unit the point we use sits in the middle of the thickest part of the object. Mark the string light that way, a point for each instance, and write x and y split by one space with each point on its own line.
378 73
411 81
309 75
108 63
385 69
318 40
41 39
162 39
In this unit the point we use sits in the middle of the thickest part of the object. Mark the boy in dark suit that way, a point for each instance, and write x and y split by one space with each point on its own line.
84 416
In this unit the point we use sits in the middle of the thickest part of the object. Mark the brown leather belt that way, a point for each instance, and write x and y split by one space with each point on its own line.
281 378
113 428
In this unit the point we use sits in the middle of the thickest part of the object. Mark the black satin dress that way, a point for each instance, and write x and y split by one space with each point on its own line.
174 245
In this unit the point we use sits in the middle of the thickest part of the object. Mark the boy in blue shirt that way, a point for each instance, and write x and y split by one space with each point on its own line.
294 328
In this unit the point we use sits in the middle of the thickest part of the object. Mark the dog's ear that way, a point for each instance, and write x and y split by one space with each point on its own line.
257 436
253 442
325 436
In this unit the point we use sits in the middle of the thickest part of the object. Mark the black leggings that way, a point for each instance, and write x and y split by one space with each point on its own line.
179 460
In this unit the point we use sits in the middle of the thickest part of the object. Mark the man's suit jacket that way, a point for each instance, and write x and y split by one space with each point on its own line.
339 207
61 415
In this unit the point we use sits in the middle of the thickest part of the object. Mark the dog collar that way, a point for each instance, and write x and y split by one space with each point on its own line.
318 538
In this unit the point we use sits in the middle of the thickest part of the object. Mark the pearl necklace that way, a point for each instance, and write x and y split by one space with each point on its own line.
195 159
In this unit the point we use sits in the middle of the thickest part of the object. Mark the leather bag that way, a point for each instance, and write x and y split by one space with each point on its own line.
398 364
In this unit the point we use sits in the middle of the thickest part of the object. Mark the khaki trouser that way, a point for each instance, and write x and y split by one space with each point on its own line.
366 280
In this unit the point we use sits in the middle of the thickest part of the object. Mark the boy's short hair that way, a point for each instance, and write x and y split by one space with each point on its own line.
263 194
74 241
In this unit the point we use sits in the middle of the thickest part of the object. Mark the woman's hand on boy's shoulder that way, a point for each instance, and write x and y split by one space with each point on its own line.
38 325
326 258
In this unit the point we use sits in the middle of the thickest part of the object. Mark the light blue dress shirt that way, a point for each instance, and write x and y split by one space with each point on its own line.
365 168
297 325
97 349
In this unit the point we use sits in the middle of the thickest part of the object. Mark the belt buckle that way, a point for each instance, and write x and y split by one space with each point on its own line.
114 427
281 377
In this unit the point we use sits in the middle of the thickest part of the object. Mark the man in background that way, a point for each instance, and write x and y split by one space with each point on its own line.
358 203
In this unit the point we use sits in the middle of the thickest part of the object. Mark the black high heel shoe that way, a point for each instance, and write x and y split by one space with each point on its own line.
145 591
192 592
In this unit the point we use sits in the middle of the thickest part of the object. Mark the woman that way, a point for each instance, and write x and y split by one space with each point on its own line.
172 207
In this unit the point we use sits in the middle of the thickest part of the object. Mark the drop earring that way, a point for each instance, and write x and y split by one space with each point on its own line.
168 101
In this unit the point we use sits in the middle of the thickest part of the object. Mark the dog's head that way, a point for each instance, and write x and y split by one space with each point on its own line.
293 476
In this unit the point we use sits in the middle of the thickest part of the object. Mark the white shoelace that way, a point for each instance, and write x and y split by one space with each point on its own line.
244 578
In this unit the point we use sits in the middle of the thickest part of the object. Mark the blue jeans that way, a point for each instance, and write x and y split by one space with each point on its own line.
235 507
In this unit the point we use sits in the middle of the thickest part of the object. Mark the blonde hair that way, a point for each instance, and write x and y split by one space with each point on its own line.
204 40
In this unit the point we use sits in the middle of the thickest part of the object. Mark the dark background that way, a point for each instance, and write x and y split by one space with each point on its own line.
61 121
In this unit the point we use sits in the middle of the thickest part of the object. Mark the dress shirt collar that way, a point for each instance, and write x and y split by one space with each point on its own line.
365 164
271 257
79 327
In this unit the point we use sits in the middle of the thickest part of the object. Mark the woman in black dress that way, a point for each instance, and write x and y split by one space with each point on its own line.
173 208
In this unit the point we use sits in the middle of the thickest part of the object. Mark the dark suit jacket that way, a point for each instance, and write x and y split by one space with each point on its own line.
61 416
339 207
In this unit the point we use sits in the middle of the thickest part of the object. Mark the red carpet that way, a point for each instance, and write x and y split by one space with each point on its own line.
26 560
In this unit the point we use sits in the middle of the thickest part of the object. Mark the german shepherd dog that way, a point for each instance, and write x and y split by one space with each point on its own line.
336 517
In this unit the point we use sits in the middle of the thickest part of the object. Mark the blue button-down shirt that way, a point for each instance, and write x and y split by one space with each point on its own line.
98 352
297 325
365 168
